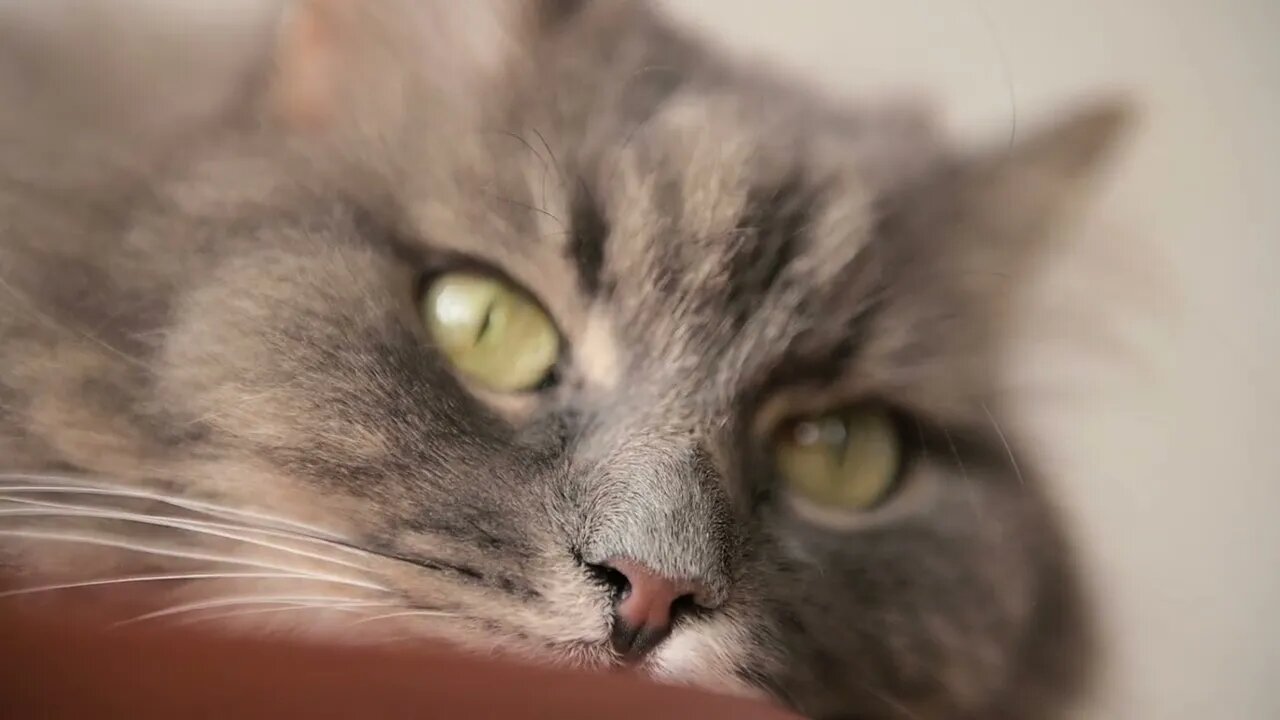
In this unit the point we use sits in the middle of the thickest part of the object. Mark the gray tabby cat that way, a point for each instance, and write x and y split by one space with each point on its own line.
536 326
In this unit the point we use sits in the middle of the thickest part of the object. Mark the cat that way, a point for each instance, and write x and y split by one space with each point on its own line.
543 327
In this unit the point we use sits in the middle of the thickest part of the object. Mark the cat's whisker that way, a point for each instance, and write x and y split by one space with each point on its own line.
176 524
403 637
175 577
546 167
244 402
404 613
555 162
560 174
181 554
307 601
51 322
1017 471
198 525
43 509
898 707
353 607
22 482
964 474
527 206
82 486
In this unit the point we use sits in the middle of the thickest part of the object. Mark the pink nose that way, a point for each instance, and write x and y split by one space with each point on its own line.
646 605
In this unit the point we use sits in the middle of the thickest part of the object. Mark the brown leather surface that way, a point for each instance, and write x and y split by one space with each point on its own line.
58 663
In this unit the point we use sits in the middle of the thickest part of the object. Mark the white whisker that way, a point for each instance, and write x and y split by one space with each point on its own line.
155 578
195 526
964 476
80 486
299 600
272 532
353 607
400 638
182 554
405 613
241 404
1007 447
49 321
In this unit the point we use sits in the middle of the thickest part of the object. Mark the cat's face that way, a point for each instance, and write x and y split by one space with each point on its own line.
710 268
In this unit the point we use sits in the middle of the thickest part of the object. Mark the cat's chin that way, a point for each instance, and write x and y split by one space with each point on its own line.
712 661
694 662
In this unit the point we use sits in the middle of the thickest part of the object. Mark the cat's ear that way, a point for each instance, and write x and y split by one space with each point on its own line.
982 217
339 59
310 44
336 59
1017 194
959 241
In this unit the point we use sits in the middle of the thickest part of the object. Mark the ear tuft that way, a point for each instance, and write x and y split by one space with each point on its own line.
1074 149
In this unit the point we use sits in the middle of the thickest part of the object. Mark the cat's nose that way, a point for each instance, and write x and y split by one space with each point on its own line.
646 605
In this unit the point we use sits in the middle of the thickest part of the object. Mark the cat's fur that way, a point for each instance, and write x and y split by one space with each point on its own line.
230 318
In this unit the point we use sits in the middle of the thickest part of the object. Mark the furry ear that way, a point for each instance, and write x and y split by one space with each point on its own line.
959 238
1018 194
338 60
334 57
303 91
1073 148
986 215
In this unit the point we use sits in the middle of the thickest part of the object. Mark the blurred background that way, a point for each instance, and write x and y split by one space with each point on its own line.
1144 365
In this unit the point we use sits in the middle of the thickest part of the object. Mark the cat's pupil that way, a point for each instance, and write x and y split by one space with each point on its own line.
486 321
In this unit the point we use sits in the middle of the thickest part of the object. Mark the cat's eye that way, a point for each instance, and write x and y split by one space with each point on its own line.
492 332
843 461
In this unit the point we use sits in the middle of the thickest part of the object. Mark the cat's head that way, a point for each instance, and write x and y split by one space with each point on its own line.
555 335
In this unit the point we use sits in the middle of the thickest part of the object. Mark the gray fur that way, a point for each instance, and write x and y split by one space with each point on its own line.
233 320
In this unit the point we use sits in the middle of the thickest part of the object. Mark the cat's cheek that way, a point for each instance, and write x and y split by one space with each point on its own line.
713 656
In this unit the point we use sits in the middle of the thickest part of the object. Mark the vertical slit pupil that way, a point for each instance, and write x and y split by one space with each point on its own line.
488 320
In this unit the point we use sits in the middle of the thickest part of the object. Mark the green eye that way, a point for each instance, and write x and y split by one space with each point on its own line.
492 332
846 461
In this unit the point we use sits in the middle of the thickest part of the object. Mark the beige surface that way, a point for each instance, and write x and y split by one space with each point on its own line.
1158 414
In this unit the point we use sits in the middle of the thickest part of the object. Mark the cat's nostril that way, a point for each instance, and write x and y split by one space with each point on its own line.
616 581
684 605
645 605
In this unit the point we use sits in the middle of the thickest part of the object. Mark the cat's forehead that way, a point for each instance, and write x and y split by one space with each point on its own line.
710 226
726 223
